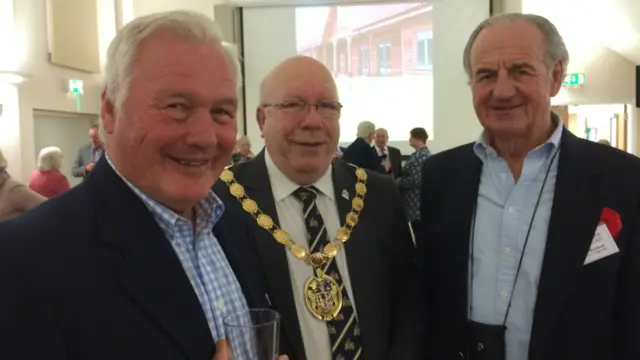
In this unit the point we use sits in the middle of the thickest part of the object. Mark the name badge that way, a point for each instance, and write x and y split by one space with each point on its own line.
602 245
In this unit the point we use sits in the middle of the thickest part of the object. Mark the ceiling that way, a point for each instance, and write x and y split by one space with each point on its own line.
611 23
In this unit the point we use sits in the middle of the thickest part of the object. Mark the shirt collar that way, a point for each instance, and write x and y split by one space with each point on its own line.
208 210
482 147
282 186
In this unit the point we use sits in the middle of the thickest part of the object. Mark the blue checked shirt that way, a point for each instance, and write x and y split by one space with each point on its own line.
202 258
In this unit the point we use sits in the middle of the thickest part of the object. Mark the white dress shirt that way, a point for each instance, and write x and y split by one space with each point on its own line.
314 332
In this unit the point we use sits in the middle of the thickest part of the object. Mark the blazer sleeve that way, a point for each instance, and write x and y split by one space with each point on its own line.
374 160
627 307
407 333
78 169
399 171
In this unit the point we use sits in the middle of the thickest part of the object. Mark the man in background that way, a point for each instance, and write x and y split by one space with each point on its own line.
88 155
243 150
391 157
360 152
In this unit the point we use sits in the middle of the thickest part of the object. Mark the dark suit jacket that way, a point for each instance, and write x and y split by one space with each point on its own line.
380 255
83 158
361 154
395 158
586 312
89 275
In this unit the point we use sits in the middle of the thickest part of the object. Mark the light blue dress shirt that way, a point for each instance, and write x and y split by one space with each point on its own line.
503 215
202 258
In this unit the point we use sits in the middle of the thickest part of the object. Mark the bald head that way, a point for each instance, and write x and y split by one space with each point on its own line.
299 117
291 71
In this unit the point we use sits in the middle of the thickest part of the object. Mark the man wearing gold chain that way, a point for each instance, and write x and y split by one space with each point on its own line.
334 240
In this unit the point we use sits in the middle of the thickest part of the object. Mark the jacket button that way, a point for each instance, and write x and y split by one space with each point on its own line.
479 347
461 355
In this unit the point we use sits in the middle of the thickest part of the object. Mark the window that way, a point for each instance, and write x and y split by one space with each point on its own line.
363 61
384 59
424 50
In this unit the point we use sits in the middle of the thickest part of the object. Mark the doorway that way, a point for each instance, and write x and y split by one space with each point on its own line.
67 131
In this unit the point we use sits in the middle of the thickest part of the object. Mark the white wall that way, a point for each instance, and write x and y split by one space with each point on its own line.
454 118
10 143
144 7
609 77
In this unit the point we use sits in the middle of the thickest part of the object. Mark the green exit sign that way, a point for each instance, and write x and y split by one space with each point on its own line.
574 79
76 87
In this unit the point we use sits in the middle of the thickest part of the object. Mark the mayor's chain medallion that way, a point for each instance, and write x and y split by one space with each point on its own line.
322 294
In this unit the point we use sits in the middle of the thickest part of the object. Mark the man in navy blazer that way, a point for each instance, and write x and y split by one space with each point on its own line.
142 260
360 153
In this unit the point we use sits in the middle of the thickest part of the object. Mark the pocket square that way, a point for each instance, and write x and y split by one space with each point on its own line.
611 218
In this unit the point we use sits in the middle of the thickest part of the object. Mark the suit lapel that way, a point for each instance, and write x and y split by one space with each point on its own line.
460 224
358 254
343 184
239 251
273 256
150 271
574 218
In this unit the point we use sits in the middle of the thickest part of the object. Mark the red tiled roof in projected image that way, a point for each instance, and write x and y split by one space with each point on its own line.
342 20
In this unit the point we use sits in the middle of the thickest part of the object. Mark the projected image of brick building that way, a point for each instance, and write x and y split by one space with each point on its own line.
373 40
381 57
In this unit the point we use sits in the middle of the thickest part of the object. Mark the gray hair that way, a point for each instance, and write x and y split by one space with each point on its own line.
365 129
50 158
383 130
243 138
556 48
192 26
3 161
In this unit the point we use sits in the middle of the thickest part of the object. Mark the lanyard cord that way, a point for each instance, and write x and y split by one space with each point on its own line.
524 247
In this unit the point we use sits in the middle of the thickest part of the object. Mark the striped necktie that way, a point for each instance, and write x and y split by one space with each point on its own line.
344 331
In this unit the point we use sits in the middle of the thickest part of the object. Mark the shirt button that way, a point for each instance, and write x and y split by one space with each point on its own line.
507 251
504 294
220 304
513 210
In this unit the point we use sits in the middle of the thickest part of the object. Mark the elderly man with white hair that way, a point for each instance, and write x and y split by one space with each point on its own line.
530 235
140 260
243 150
360 152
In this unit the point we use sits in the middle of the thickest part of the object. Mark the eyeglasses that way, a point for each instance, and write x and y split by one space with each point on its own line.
326 109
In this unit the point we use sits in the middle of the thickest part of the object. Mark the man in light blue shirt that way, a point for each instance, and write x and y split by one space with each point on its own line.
529 236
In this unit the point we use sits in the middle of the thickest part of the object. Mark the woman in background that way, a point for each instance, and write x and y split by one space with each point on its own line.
411 180
15 198
48 181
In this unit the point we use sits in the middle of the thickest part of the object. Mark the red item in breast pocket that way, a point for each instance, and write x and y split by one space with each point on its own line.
611 218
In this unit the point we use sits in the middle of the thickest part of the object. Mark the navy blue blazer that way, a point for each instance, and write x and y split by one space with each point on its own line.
90 275
361 154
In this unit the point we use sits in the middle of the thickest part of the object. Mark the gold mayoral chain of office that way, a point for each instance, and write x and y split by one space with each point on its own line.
322 294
